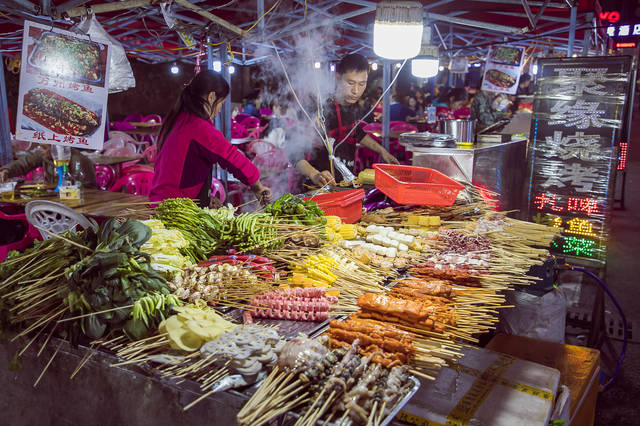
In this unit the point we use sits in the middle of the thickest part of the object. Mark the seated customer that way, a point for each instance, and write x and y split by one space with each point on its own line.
400 111
81 168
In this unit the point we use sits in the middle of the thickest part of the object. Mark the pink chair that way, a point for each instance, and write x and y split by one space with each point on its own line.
266 111
152 118
29 236
150 154
136 118
138 183
240 117
105 176
217 190
401 126
271 164
238 131
259 146
374 130
137 168
250 122
35 175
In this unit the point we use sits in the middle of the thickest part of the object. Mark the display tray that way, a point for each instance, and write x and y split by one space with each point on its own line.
427 140
287 329
291 417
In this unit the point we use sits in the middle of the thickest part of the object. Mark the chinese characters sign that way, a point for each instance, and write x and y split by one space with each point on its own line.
63 88
578 110
503 68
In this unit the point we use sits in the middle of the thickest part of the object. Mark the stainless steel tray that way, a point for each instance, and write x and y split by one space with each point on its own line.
427 140
290 417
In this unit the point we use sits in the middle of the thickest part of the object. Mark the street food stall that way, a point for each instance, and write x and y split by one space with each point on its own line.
365 301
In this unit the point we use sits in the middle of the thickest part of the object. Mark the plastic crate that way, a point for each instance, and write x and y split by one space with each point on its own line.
346 204
416 185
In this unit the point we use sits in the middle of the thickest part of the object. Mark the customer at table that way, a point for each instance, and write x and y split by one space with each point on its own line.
81 168
341 114
189 146
399 109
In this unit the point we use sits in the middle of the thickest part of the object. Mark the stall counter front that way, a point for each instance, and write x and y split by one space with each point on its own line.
499 168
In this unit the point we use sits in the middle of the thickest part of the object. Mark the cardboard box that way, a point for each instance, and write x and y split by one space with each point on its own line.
485 388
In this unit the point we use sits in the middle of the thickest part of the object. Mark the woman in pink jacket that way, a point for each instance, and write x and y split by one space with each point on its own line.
189 146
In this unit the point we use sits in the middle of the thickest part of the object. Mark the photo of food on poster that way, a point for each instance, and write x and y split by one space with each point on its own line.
63 88
503 68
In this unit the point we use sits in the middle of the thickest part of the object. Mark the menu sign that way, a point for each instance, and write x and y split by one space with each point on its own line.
503 68
577 115
63 88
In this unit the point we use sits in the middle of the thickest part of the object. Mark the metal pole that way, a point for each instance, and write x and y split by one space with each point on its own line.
386 103
586 41
5 131
260 6
572 30
225 112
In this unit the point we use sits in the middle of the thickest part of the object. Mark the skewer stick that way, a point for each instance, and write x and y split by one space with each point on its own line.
48 364
371 414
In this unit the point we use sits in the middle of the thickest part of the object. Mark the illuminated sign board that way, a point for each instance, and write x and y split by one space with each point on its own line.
577 117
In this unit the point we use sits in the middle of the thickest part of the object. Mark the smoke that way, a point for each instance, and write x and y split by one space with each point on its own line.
313 86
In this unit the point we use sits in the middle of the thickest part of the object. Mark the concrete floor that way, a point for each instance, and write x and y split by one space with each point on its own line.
619 404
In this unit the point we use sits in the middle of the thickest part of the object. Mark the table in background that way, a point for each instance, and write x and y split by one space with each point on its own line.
94 202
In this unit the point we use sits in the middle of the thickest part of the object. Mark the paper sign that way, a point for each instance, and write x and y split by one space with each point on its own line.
503 68
63 88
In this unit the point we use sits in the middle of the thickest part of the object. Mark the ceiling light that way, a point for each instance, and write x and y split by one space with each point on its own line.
477 64
174 69
374 66
333 67
217 66
440 68
232 69
397 30
534 69
398 65
317 65
427 63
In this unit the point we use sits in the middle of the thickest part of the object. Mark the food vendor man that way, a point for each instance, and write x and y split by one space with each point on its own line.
341 114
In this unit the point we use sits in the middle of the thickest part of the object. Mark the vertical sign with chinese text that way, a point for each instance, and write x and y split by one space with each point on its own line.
577 115
63 88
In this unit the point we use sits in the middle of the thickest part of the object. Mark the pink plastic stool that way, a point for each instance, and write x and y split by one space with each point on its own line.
217 190
138 183
105 176
29 236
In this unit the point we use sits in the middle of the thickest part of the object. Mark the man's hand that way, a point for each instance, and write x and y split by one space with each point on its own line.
214 202
4 175
322 178
389 159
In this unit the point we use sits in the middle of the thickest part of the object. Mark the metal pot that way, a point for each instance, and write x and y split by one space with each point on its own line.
461 130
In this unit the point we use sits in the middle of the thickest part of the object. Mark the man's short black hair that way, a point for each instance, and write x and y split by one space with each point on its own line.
352 62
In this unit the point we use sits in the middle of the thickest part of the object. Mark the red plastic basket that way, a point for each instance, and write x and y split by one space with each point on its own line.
416 185
346 204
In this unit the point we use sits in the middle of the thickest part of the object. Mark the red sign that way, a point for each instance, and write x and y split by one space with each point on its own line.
629 44
613 16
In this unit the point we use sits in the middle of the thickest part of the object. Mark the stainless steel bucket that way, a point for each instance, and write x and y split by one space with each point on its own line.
461 130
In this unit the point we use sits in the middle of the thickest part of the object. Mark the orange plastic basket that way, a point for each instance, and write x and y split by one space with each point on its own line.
346 204
416 185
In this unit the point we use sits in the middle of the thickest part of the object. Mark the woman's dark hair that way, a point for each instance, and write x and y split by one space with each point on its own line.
352 62
192 100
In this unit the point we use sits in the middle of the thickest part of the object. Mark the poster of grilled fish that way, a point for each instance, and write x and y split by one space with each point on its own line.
502 69
63 88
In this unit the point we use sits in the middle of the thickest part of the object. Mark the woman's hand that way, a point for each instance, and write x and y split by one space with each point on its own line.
389 158
322 178
262 193
4 175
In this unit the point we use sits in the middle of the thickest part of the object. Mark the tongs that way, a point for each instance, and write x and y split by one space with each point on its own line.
493 126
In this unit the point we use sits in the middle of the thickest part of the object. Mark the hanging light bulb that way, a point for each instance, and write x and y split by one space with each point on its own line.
232 69
174 69
333 67
217 66
316 65
374 66
534 69
427 63
397 30
441 68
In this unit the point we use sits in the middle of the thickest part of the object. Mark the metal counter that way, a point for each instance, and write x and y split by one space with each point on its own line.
497 167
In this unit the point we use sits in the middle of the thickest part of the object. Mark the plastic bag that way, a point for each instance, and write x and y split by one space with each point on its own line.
121 75
534 316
